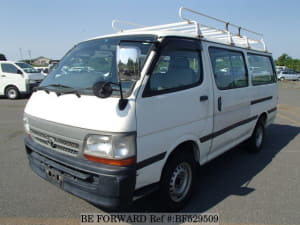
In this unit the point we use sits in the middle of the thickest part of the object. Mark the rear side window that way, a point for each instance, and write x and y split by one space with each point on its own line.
8 68
229 68
261 69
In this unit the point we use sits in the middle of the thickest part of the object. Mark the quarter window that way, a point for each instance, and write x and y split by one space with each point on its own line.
261 69
229 68
176 70
8 68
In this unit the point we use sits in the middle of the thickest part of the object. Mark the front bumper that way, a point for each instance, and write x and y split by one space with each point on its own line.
32 86
100 184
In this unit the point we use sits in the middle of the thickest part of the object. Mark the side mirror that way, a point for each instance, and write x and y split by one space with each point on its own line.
102 89
19 72
128 63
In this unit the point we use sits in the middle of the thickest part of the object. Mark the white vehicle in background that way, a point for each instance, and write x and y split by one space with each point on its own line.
126 114
42 69
17 78
280 68
288 75
53 64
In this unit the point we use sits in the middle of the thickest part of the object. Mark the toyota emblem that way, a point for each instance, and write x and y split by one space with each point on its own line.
51 142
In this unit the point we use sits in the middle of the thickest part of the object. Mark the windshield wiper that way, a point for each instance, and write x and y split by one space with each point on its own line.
59 85
58 92
44 88
73 91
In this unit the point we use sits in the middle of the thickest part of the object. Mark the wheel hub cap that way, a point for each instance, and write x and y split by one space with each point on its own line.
12 93
180 182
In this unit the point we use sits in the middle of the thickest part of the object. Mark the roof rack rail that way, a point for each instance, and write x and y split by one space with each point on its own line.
114 22
200 30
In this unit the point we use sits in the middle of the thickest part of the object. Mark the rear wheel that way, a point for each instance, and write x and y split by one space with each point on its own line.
257 139
12 93
177 181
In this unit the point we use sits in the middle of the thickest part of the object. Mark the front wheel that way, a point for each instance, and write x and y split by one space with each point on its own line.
177 181
12 93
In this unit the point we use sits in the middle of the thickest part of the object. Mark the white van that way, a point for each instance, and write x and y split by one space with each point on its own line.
44 70
125 114
18 78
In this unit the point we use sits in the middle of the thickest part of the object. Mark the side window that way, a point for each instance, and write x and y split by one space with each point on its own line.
176 70
8 68
261 69
229 68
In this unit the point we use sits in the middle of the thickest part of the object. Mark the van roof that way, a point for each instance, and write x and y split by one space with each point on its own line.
12 62
6 61
195 29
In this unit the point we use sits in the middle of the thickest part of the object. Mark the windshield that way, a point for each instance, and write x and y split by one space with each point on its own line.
93 61
27 68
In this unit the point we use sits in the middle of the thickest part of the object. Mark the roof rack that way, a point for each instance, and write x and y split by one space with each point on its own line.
200 30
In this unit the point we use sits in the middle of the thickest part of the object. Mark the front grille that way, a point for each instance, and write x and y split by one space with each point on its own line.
55 143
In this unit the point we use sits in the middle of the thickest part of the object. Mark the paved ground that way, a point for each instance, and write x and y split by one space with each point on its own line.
243 188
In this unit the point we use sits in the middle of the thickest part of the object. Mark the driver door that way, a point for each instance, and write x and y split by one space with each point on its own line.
175 106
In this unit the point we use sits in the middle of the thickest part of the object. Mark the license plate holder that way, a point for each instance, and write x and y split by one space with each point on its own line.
54 176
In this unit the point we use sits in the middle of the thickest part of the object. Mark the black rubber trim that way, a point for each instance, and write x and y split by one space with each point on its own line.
272 110
150 160
220 132
261 100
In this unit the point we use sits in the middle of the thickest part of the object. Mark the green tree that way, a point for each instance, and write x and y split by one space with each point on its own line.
286 60
283 60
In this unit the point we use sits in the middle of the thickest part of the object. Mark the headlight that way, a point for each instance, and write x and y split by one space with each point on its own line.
124 146
97 145
26 125
114 150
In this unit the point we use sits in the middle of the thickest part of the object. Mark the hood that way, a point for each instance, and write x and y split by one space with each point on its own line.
89 112
35 76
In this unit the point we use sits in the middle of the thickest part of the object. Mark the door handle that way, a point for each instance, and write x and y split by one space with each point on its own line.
220 104
203 98
3 76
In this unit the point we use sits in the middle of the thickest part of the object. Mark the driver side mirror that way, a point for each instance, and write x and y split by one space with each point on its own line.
19 72
128 63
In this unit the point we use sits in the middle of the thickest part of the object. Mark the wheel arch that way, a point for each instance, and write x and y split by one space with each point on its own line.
189 145
8 86
263 117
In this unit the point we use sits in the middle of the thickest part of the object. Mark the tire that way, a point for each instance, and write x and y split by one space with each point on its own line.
256 141
177 181
12 93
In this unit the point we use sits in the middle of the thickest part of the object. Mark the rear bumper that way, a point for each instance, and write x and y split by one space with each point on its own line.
103 185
